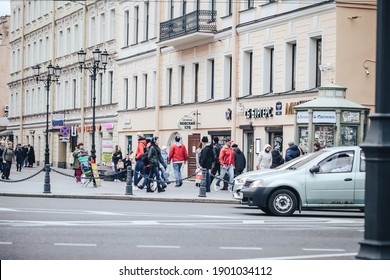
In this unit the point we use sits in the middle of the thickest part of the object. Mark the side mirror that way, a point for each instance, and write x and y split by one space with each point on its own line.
315 169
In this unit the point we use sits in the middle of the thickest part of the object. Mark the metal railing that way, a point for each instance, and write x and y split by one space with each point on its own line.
197 21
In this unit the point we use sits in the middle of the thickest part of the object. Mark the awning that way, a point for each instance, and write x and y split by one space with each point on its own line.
6 133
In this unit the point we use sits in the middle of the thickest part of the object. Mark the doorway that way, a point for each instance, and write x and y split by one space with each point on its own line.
275 137
193 143
250 150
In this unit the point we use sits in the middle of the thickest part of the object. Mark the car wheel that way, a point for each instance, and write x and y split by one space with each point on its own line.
282 203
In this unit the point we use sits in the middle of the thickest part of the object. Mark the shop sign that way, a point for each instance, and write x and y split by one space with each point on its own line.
324 117
290 106
187 123
303 117
278 108
350 117
57 120
64 139
257 113
89 128
108 126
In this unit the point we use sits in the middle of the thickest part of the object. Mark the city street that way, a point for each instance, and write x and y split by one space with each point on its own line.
50 228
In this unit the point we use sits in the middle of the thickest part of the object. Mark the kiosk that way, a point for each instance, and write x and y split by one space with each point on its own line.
330 119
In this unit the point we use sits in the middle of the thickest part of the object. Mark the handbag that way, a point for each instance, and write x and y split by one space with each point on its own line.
120 165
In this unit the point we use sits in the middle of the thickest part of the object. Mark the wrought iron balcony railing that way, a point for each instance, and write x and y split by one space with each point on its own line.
197 21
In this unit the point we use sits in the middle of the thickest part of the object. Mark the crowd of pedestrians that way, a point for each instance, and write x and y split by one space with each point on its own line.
24 156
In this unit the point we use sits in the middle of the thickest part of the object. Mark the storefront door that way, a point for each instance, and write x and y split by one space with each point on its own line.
250 152
193 143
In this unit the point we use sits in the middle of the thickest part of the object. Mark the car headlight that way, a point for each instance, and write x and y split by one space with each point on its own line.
240 180
257 184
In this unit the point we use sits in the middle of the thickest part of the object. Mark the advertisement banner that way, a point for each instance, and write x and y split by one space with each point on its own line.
107 151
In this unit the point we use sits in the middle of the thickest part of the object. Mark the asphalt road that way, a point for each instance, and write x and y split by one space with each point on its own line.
66 229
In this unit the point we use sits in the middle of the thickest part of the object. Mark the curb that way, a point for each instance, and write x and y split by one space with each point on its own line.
126 197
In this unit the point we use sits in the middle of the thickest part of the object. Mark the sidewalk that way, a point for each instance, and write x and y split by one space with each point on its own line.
66 187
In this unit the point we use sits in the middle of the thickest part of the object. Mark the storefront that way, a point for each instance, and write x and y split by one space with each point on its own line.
330 119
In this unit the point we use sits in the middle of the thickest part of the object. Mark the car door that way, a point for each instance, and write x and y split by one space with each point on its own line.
334 183
360 179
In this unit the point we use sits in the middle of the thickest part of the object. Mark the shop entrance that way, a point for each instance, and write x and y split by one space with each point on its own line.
275 137
250 150
193 143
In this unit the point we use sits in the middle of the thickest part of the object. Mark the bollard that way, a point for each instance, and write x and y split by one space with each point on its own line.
46 186
202 187
129 181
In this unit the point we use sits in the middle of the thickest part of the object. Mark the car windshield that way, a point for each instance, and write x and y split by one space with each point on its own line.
299 161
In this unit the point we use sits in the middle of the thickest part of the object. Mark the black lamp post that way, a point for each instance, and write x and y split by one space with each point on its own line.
53 75
100 60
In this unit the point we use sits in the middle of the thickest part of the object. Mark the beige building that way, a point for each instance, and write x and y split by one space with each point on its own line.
4 74
232 69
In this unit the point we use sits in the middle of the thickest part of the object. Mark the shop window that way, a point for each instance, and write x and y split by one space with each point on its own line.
349 135
324 134
303 132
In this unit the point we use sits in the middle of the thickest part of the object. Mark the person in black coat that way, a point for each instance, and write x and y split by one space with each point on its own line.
239 160
277 158
207 160
292 151
30 156
20 155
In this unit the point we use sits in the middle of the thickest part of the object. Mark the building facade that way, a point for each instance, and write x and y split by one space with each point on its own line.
232 69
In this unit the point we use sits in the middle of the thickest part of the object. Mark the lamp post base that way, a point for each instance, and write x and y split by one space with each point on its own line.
46 186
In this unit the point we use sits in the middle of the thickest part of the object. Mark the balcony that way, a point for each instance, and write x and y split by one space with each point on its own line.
192 29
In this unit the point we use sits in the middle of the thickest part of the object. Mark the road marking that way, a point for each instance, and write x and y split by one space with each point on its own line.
302 257
241 248
158 246
6 243
323 249
8 210
75 244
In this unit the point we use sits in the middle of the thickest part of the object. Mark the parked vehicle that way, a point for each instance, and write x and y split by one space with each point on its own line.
244 180
329 178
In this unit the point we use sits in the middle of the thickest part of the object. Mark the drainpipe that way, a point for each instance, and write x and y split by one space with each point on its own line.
235 54
53 88
158 78
23 55
83 75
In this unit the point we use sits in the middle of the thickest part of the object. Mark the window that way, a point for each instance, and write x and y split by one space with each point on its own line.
169 88
100 82
92 32
182 84
291 66
126 92
362 162
229 7
171 9
111 86
126 28
74 95
146 28
228 76
136 24
68 41
249 4
268 71
318 61
196 82
248 73
210 78
145 82
112 24
337 163
102 27
135 91
61 43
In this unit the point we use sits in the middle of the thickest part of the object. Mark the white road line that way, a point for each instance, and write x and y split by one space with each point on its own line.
5 243
303 257
75 244
158 246
241 248
323 249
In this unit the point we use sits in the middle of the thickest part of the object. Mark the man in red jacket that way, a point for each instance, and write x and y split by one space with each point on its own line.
178 155
226 158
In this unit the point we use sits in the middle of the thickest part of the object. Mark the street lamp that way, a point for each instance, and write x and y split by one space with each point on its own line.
100 60
53 75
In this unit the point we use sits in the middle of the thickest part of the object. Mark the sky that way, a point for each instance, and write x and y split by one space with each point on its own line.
4 7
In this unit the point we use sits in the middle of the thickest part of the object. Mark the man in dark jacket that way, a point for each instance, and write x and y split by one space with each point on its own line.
207 160
217 165
155 158
292 151
277 158
239 160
